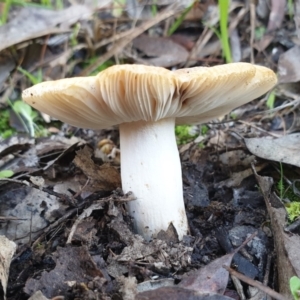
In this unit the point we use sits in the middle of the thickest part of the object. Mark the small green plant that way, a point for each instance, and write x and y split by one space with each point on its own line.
259 32
25 112
59 4
184 134
223 9
271 100
7 4
295 287
74 35
204 129
6 174
290 6
280 184
293 206
5 130
293 209
46 3
102 67
34 79
5 11
201 145
233 116
154 9
118 7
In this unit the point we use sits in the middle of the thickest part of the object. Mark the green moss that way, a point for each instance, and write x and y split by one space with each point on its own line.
204 129
293 209
5 130
184 134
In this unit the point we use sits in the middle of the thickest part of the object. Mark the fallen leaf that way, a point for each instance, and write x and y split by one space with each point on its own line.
15 144
38 296
154 284
289 66
275 21
102 178
164 51
72 264
284 149
33 208
178 293
37 22
212 278
7 250
287 245
6 66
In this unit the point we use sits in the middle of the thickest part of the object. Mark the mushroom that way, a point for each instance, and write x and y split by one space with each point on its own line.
146 102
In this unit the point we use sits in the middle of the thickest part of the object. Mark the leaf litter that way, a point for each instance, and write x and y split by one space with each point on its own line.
63 206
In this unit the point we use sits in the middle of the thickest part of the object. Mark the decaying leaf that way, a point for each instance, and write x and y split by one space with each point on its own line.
164 51
212 278
284 149
289 65
15 144
33 208
37 22
72 264
102 178
38 295
158 253
6 66
7 250
287 244
176 293
275 21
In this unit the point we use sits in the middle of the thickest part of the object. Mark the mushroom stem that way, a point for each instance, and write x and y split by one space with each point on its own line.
151 169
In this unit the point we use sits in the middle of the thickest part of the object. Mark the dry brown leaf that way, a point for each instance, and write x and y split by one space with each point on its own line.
212 278
177 293
284 149
72 264
164 51
6 66
33 209
102 178
32 22
7 250
275 21
289 66
287 244
38 296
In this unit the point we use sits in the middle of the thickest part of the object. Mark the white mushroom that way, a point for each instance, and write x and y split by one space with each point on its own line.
147 102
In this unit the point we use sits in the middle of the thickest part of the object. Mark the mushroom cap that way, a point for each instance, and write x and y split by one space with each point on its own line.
128 93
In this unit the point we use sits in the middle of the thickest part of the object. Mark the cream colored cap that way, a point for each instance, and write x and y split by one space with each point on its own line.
128 93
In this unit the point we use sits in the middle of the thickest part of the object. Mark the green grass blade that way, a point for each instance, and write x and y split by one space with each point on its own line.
223 9
179 20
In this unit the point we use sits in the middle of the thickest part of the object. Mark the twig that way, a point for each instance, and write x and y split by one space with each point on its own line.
24 182
67 215
260 129
255 283
245 242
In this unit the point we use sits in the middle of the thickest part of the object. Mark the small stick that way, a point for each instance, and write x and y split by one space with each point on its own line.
255 283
